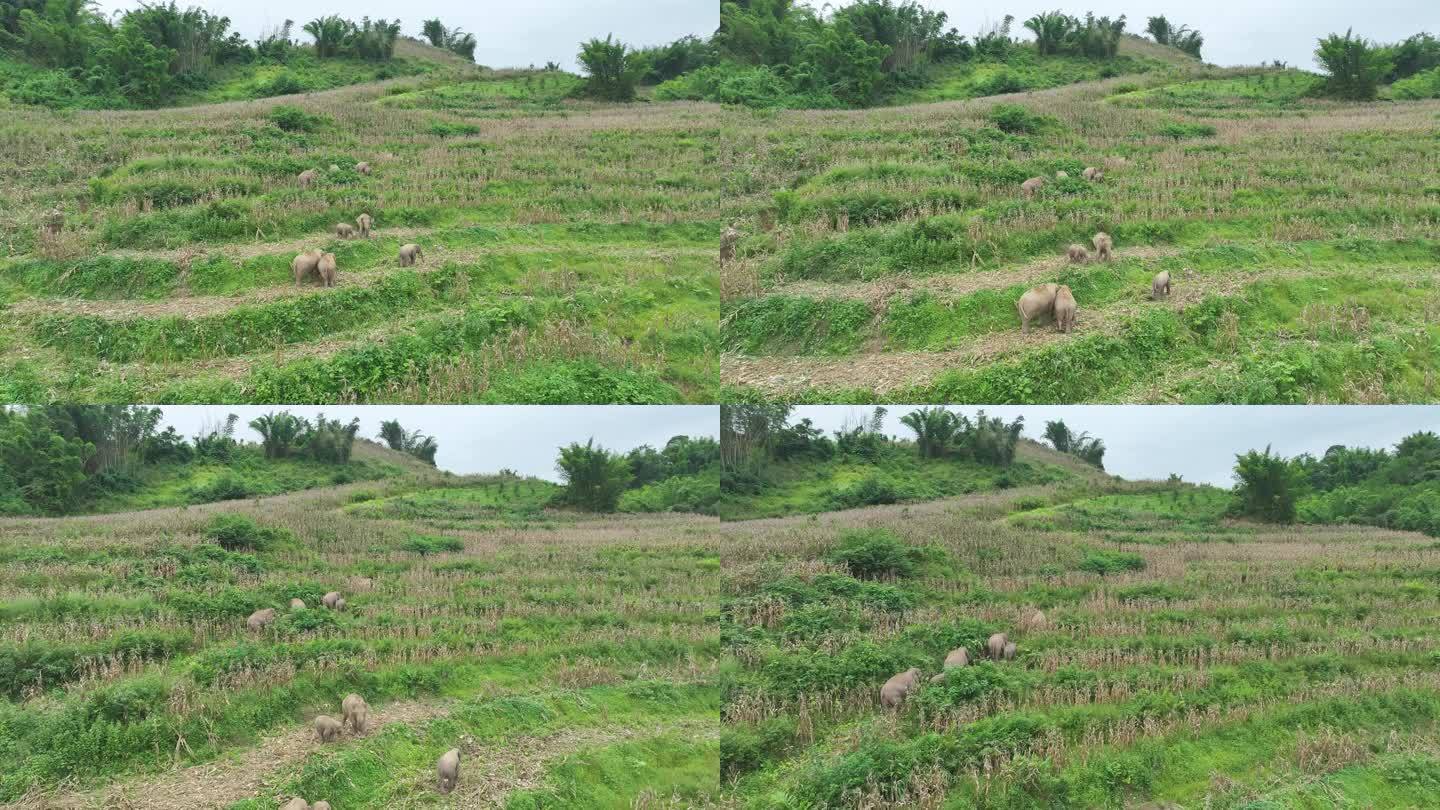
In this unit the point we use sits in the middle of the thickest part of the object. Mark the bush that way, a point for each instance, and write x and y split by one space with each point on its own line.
1104 561
294 119
1013 118
225 487
284 83
876 554
1354 66
234 532
613 69
422 545
869 491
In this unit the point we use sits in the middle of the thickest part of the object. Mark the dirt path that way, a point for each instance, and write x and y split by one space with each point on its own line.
225 781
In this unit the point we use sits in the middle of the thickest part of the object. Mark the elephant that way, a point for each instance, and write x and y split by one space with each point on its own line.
344 230
448 769
307 178
1104 246
1033 620
355 712
1032 185
362 583
297 604
1077 254
1064 309
327 728
329 599
938 677
1160 285
305 263
320 806
1093 174
409 253
340 603
728 240
326 268
1062 175
364 221
893 693
958 657
995 646
1036 301
296 804
362 167
260 618
1009 652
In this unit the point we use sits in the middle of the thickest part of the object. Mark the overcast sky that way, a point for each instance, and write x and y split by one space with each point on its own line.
1237 32
1199 443
482 439
510 34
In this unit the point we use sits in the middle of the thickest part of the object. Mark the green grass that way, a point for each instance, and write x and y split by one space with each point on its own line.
1023 70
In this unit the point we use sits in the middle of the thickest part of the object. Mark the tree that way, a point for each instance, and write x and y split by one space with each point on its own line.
453 40
415 443
328 440
1354 66
434 31
612 69
934 429
1050 29
330 33
1058 434
841 64
279 433
1081 445
594 477
39 466
1266 487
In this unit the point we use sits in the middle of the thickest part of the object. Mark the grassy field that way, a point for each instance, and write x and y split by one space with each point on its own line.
1301 236
1181 659
899 476
571 658
569 248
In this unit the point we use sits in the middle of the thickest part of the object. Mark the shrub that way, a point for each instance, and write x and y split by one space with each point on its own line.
234 532
1353 65
423 545
1104 561
284 83
1013 118
877 553
613 69
294 119
224 487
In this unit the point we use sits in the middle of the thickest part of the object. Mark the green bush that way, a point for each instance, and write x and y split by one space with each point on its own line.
234 532
1104 561
294 119
876 554
423 545
1013 118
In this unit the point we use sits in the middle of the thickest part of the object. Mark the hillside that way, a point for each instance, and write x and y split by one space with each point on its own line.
562 264
1299 265
556 652
1166 656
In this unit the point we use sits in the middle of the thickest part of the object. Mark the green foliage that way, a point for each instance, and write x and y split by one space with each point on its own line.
1106 561
1013 118
234 532
1266 487
1182 37
1419 86
294 119
414 442
41 470
594 478
372 40
1354 66
878 554
698 493
1081 445
425 545
455 40
612 67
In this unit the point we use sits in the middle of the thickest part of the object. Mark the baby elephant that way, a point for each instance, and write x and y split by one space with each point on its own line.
362 167
728 240
893 693
448 769
327 728
364 221
320 806
1062 175
330 599
297 604
345 230
1093 173
355 713
326 269
1064 309
995 646
1104 246
260 618
409 253
958 657
307 178
305 263
1035 303
1077 254
1160 285
1032 185
1009 652
296 804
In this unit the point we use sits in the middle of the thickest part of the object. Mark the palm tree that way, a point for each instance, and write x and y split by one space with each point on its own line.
434 30
330 34
934 428
1050 29
279 432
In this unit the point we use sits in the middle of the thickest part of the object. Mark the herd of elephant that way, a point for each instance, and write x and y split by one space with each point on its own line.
998 647
322 264
354 711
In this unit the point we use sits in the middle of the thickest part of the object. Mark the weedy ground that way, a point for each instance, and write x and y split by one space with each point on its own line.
571 659
1184 660
1302 237
569 248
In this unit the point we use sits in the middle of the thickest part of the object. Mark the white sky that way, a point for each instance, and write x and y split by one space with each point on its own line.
488 438
509 34
1198 442
1237 32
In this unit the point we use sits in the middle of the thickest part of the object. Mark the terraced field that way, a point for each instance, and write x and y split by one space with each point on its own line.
570 659
1179 659
569 252
1302 236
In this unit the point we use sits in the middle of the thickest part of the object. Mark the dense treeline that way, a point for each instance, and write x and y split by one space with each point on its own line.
1396 489
150 54
683 476
59 459
1355 67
